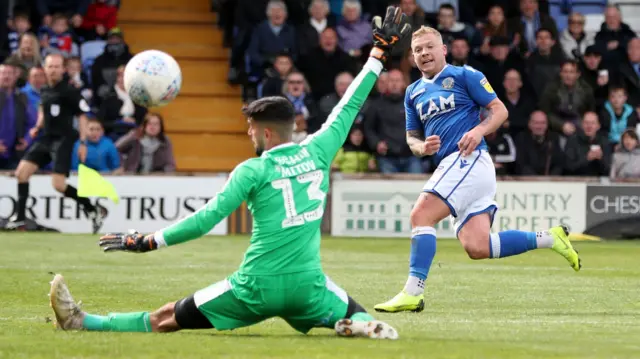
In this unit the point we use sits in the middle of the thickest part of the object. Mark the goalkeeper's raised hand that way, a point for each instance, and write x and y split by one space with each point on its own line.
388 33
129 242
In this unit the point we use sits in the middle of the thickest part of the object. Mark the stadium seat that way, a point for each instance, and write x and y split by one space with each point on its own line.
88 53
560 10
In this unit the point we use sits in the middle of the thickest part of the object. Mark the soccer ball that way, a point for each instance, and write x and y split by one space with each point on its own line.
152 78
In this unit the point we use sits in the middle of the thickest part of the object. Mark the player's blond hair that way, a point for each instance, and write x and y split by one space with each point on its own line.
424 30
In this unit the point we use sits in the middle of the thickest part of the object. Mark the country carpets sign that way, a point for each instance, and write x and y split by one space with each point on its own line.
147 203
381 208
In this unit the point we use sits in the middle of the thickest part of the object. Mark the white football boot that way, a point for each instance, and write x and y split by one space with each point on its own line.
374 329
69 316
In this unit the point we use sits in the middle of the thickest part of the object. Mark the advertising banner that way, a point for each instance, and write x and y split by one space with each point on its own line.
147 203
381 208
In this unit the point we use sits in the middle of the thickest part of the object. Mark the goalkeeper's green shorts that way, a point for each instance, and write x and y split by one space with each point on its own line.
304 300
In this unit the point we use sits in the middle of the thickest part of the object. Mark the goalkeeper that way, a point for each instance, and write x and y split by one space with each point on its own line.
285 188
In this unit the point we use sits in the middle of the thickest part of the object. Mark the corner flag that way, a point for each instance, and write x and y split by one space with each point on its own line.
91 183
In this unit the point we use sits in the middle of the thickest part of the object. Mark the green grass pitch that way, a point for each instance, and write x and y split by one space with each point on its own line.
530 306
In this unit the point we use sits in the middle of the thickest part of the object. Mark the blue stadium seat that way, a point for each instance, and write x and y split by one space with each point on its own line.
88 53
560 9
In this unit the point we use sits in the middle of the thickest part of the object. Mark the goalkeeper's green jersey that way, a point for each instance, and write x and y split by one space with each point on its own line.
285 190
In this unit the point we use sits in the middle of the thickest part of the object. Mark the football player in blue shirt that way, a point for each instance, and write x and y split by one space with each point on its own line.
443 120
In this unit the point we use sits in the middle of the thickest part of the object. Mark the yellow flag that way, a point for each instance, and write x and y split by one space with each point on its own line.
92 184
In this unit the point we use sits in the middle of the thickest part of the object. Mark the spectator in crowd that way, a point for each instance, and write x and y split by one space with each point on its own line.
118 113
617 115
463 10
628 72
309 32
57 38
538 151
502 150
28 54
385 130
147 149
329 101
105 66
496 25
459 54
574 40
416 19
409 68
324 63
271 37
354 156
77 77
626 160
613 36
101 16
33 87
520 105
543 65
102 154
276 75
297 91
450 28
382 86
20 26
528 24
16 120
413 12
354 32
588 153
248 13
567 100
76 8
593 73
499 61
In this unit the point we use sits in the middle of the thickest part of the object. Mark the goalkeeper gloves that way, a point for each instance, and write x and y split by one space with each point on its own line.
129 242
389 32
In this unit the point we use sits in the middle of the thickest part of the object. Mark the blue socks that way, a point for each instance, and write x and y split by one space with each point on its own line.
423 249
511 243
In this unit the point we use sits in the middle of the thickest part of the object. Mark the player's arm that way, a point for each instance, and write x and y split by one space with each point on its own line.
333 133
419 145
482 93
497 113
80 109
33 132
237 189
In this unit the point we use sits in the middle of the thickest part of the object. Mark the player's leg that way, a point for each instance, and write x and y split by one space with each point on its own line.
61 155
36 157
430 208
475 200
317 302
479 243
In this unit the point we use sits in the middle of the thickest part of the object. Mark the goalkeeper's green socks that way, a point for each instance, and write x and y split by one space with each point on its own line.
362 317
118 322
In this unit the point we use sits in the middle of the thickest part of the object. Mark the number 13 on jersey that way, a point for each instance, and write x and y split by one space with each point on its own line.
286 185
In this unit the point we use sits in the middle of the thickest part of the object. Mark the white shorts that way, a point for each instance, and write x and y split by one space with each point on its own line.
466 184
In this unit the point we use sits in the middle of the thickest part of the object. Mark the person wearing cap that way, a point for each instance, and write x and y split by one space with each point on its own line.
499 61
104 68
595 74
574 40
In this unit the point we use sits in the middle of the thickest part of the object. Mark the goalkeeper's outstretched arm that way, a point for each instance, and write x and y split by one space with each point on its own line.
236 190
334 132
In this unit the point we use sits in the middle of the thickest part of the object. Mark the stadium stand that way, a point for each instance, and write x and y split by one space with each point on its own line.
204 123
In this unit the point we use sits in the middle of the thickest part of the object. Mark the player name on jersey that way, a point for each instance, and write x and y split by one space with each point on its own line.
292 165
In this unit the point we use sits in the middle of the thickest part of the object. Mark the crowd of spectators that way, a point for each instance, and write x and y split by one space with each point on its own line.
573 95
122 136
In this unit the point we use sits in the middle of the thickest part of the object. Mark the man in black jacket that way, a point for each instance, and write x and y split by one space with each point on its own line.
588 152
104 68
519 103
538 151
385 129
